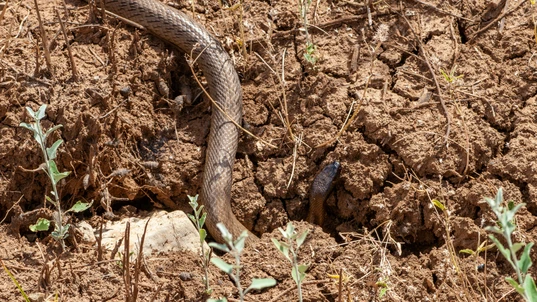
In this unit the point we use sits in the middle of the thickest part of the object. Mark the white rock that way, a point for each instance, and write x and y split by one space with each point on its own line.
167 231
86 232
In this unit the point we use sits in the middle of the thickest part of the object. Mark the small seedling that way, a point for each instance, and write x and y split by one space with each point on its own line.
309 53
451 77
49 166
505 227
234 270
310 48
383 287
199 220
292 244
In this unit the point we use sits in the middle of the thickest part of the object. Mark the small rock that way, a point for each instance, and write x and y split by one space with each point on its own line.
185 276
166 232
86 232
36 297
125 91
163 88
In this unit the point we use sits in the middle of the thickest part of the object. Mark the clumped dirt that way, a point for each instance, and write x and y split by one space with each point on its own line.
417 100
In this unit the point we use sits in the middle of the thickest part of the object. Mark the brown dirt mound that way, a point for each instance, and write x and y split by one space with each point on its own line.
376 76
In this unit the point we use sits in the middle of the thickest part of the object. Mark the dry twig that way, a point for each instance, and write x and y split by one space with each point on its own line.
44 38
73 65
477 33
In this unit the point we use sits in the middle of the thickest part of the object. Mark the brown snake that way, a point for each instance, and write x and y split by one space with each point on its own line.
225 88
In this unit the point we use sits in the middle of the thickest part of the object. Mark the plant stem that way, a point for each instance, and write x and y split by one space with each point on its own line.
237 275
297 272
514 257
204 257
43 146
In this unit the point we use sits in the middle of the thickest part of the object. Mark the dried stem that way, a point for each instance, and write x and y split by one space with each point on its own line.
44 39
71 58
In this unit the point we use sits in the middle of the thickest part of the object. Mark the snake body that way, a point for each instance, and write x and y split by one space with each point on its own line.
177 28
320 189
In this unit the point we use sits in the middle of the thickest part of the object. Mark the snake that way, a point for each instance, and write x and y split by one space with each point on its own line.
320 189
225 89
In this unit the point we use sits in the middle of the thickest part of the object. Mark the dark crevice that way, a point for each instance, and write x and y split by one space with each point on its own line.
526 197
462 32
143 204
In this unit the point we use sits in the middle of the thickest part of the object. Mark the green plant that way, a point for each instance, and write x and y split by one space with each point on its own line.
451 77
505 227
292 244
199 220
235 248
49 166
309 54
310 48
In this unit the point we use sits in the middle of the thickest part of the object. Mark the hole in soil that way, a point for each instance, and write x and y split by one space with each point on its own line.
462 33
141 204
435 279
419 249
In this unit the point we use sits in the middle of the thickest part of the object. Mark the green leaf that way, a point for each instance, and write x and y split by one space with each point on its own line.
51 152
382 292
438 204
50 200
467 251
193 201
42 224
517 246
228 238
530 289
202 218
510 205
28 126
508 227
40 114
239 243
56 175
515 285
49 131
302 268
525 261
217 300
505 252
289 231
219 246
203 235
300 240
192 218
494 229
510 214
60 232
282 247
80 206
499 196
260 284
31 112
222 265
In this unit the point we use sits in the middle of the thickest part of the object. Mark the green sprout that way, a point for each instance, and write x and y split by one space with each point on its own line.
49 166
524 285
199 220
289 248
235 248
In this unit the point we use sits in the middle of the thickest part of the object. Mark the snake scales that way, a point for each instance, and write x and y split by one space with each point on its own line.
225 88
